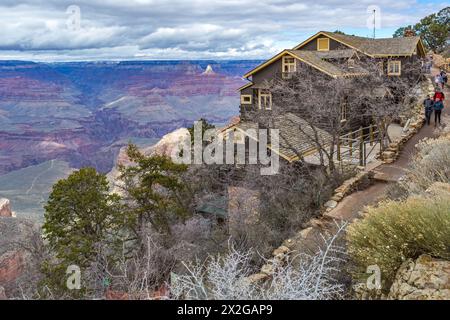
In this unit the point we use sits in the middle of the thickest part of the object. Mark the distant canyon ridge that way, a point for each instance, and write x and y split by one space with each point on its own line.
56 117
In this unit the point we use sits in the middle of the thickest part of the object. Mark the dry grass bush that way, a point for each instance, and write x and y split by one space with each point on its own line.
225 277
398 230
431 164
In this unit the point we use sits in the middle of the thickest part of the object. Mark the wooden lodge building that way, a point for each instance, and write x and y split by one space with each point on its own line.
327 54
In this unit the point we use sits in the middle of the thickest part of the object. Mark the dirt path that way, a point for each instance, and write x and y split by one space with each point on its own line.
350 207
38 176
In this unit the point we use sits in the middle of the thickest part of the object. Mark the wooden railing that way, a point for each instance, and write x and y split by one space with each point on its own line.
354 144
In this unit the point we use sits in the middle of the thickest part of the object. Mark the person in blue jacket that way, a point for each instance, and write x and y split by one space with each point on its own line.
437 107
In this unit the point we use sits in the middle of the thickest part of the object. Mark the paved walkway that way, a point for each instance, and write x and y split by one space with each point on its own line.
350 207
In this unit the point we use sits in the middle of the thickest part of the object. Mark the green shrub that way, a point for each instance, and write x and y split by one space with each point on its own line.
431 164
398 230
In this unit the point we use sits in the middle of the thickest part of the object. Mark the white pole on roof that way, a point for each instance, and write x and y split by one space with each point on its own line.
374 23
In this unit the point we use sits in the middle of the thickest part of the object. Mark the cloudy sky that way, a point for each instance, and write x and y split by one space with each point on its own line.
56 30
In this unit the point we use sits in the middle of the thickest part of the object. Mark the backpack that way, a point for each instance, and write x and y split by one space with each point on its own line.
438 106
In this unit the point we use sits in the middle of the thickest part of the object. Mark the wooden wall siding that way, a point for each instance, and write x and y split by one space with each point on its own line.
334 45
268 73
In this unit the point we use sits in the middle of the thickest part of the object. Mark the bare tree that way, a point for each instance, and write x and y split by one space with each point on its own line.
226 277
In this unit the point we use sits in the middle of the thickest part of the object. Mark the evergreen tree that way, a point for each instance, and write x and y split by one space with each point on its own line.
80 214
151 185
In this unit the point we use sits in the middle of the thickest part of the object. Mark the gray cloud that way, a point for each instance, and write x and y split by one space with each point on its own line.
183 29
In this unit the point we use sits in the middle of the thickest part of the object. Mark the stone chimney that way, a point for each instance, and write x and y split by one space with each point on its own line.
409 33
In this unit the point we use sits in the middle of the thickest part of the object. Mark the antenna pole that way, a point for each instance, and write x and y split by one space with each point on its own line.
374 23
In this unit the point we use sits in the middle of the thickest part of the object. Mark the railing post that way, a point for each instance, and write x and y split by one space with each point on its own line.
361 147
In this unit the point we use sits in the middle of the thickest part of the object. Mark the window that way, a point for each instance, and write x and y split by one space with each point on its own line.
394 68
323 44
246 99
265 99
289 66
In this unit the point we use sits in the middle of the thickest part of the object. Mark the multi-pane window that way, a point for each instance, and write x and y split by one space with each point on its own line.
289 66
394 68
265 99
323 44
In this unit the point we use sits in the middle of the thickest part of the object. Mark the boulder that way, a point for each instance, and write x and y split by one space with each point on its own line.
281 250
424 279
331 204
258 278
268 269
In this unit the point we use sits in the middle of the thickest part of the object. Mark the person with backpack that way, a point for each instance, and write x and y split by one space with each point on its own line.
428 105
437 107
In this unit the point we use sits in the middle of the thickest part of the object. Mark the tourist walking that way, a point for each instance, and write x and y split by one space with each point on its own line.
444 79
438 95
438 81
428 105
437 107
428 66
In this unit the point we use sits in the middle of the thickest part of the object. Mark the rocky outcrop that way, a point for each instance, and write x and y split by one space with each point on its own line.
168 143
2 293
165 146
18 238
5 208
11 265
423 279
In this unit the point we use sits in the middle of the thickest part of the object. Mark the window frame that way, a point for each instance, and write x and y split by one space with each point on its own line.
393 63
319 40
266 95
286 74
249 96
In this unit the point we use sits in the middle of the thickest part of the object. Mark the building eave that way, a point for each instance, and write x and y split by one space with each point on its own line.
321 33
245 86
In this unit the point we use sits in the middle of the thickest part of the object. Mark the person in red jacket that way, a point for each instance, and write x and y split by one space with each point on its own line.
438 95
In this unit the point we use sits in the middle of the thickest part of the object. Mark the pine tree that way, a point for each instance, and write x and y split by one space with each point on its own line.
151 187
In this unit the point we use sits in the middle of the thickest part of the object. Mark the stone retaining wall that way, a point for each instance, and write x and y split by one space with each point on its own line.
417 121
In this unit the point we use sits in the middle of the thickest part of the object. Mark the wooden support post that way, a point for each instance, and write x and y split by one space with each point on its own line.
338 149
350 144
371 135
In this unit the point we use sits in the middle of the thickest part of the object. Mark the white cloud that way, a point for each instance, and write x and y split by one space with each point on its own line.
185 28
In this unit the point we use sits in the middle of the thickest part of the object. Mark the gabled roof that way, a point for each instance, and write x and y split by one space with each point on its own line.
319 61
402 46
293 141
316 60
